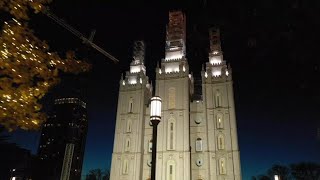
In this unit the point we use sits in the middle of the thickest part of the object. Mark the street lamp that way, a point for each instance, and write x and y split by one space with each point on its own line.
276 177
155 118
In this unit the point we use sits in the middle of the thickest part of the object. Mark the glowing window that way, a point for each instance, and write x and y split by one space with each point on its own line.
219 121
222 166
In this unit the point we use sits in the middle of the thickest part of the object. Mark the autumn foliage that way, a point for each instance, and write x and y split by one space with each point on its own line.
28 70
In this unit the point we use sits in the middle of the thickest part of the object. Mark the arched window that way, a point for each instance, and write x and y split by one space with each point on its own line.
125 167
222 166
171 170
129 126
130 108
172 98
199 145
220 121
221 142
171 134
127 145
218 99
150 146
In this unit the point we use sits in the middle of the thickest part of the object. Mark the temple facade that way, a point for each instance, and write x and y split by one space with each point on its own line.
197 137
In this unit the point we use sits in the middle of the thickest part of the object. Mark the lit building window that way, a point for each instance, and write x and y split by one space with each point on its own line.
219 121
222 166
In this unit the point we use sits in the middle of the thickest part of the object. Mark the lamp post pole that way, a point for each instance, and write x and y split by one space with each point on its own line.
155 118
154 148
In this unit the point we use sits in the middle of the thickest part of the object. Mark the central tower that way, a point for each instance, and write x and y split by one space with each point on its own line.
173 85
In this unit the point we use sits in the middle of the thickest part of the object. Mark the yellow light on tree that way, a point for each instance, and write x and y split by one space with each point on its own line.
27 68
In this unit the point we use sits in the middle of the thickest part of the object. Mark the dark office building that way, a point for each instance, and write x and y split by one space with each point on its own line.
62 141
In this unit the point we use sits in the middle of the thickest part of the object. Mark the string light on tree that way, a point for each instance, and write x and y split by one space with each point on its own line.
28 69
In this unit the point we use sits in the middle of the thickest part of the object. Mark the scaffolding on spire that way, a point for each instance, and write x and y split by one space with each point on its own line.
138 52
176 36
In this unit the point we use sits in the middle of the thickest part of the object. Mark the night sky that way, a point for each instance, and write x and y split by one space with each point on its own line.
272 47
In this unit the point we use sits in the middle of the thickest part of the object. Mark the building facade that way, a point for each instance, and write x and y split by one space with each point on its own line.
197 138
62 141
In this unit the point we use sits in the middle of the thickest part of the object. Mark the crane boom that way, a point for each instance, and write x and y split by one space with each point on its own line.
85 40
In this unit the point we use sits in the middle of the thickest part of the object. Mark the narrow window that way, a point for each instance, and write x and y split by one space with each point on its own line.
171 170
199 144
172 98
127 145
171 135
130 109
129 126
150 146
218 99
222 166
220 121
125 167
220 142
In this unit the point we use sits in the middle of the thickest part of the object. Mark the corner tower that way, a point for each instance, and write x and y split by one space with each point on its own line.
134 93
215 151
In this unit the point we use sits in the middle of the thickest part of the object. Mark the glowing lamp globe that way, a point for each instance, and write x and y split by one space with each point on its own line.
155 113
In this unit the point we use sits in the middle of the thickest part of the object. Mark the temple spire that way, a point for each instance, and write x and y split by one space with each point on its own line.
215 43
137 64
215 54
176 36
138 52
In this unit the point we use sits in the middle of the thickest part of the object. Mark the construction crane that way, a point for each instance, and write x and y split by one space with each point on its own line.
85 40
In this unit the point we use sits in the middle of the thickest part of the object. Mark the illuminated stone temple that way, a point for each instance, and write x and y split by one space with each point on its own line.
197 137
